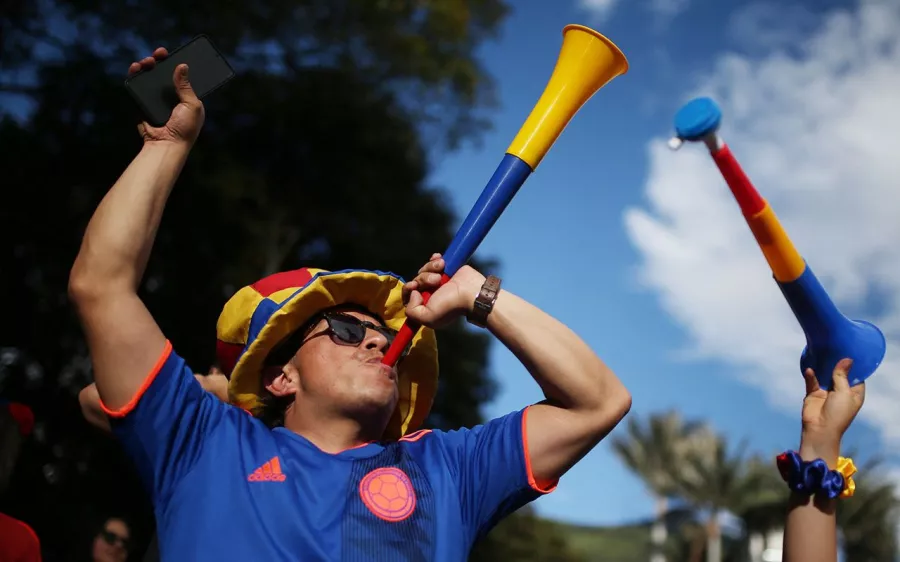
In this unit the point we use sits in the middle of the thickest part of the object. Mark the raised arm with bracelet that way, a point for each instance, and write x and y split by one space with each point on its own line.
584 398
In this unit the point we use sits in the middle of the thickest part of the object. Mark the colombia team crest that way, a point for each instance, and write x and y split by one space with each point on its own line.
388 493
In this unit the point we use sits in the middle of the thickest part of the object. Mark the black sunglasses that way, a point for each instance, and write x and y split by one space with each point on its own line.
111 539
352 330
343 329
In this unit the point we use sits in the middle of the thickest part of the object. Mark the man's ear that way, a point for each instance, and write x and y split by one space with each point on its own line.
281 381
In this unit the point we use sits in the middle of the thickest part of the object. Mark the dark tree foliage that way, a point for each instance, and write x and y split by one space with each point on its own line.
525 538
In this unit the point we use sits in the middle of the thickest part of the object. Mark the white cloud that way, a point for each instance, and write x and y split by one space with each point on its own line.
817 131
770 24
668 9
662 10
601 9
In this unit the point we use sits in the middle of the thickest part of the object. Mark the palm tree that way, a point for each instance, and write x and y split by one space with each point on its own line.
868 520
655 450
718 481
688 461
764 519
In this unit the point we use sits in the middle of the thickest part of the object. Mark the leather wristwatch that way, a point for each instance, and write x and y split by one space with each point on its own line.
484 302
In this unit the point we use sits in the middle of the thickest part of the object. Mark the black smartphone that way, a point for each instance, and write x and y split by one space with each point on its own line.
154 91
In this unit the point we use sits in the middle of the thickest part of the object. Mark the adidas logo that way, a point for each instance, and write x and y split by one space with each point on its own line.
269 472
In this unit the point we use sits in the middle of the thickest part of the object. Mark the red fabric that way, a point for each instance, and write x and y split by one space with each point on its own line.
19 542
296 278
23 416
227 354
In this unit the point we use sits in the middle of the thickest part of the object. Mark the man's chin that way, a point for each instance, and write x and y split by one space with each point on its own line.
374 407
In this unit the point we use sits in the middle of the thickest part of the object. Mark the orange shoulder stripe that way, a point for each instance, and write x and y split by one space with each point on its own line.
132 404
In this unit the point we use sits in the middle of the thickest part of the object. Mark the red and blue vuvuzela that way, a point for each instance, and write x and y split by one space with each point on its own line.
830 336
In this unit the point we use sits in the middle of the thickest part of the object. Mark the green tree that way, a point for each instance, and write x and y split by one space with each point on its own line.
710 477
524 537
656 449
868 520
722 479
424 52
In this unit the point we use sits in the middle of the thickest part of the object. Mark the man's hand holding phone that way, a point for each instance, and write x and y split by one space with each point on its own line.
187 117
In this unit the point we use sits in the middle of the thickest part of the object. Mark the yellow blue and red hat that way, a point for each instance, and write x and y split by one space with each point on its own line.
259 316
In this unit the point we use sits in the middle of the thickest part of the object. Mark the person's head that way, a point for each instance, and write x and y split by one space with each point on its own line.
333 362
280 350
112 541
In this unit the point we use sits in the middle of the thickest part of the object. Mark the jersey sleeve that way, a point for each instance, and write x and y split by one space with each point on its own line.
163 427
493 471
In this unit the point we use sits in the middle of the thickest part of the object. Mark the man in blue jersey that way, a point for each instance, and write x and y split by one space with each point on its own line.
318 457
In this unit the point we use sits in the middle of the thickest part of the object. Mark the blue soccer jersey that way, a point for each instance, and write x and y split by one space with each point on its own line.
226 487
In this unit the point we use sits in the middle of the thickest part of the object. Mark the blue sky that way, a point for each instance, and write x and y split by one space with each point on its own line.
582 238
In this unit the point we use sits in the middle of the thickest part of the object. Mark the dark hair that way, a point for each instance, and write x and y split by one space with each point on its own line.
100 522
270 408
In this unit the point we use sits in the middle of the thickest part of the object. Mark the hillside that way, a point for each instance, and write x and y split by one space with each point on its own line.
627 543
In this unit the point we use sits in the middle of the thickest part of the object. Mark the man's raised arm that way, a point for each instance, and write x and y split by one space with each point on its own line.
124 340
584 398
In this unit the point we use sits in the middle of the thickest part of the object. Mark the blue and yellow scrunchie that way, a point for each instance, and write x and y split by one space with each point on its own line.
814 477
